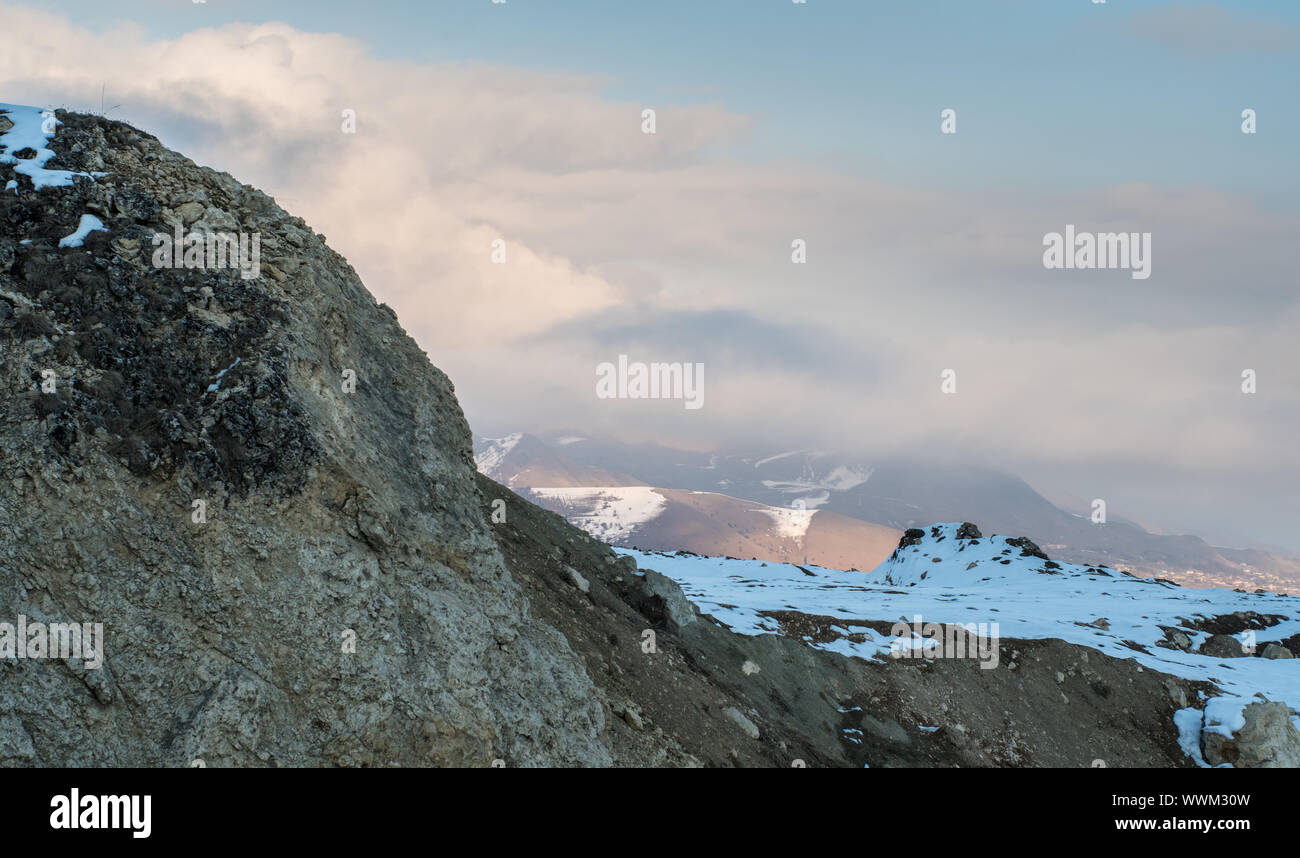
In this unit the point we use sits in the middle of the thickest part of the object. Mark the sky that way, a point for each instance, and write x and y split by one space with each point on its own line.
776 121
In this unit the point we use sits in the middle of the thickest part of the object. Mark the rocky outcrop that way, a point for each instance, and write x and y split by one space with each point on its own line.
672 681
289 570
1268 739
1027 548
1224 646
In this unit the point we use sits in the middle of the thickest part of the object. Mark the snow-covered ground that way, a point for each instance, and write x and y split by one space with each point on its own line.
608 513
790 523
761 462
89 223
944 579
812 489
840 479
32 127
492 455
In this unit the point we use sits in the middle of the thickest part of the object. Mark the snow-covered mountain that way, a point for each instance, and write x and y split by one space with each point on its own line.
903 493
715 524
623 511
521 460
610 513
1240 644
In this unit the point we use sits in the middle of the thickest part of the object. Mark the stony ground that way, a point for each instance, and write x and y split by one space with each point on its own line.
1048 704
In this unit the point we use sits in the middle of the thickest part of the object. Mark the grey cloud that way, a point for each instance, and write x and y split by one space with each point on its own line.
722 337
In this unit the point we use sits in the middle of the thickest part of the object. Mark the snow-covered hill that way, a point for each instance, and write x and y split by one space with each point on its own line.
713 524
902 493
1007 588
609 513
520 460
622 510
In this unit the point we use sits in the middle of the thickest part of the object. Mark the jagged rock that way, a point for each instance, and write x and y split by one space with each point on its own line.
578 579
968 531
628 712
1027 548
912 536
189 212
885 729
746 726
1236 622
673 607
1223 646
1176 639
1267 740
340 602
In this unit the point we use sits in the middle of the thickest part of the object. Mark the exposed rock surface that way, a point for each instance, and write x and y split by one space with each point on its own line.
1267 740
325 511
1224 646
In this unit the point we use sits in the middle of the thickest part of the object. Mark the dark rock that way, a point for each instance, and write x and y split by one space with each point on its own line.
1223 646
1027 548
912 536
1268 740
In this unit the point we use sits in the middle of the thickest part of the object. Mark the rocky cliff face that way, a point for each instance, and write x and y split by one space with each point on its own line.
326 516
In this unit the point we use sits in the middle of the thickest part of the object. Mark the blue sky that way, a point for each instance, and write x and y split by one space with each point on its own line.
1127 91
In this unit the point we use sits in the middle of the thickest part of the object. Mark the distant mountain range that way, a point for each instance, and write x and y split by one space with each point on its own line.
520 461
716 524
790 505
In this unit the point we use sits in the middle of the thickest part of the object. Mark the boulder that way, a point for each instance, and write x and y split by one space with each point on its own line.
1268 740
1223 646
